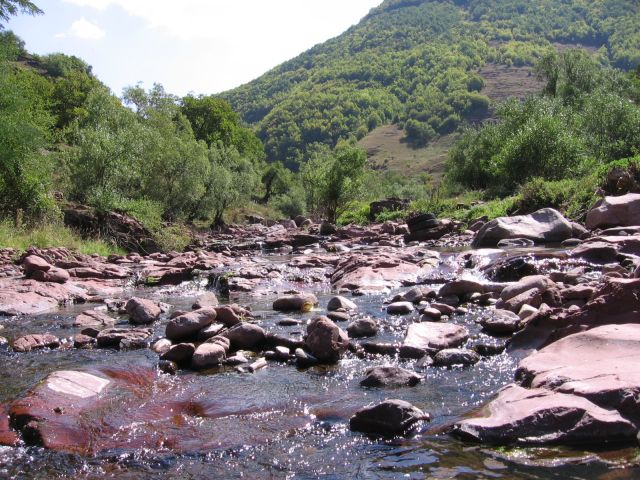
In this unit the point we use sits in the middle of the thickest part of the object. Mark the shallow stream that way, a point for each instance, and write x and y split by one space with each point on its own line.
282 422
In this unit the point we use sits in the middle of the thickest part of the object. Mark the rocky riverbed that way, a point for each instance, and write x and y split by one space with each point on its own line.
510 350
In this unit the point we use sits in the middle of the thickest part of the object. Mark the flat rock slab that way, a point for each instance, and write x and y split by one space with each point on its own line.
428 337
375 272
520 416
602 364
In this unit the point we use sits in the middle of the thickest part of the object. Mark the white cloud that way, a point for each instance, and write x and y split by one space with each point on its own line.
83 29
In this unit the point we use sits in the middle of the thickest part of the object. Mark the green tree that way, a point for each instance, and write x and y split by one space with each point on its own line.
333 179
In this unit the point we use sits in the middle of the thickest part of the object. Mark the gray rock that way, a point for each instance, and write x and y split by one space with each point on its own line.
423 338
363 327
544 226
181 354
389 376
391 417
455 356
339 302
400 308
207 299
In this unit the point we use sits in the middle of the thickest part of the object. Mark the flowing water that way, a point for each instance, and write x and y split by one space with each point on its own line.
283 422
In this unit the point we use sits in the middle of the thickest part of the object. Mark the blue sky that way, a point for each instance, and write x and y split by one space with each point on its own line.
199 46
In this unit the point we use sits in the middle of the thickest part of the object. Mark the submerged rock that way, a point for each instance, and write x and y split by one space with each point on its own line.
35 342
391 417
93 318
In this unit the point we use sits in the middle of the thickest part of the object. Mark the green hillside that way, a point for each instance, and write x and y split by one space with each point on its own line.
422 65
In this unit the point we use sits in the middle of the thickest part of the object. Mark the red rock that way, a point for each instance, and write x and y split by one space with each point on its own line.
35 342
540 417
93 318
620 211
8 437
33 263
108 410
461 287
295 303
142 311
54 274
189 324
616 302
602 365
384 270
111 337
423 338
325 340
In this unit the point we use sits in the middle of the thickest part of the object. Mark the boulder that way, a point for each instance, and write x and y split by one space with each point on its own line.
544 226
520 416
389 376
363 327
391 417
325 340
246 336
142 311
423 338
339 302
327 228
35 342
455 356
227 316
188 325
295 303
622 211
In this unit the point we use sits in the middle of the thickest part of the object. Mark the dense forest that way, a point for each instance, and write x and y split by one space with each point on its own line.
285 144
416 63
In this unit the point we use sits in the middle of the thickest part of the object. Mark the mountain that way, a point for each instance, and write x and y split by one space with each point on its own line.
427 67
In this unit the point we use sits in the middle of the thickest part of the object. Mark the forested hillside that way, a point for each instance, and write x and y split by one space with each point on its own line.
416 63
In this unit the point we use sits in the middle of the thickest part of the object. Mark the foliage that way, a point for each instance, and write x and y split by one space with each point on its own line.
586 116
333 179
415 62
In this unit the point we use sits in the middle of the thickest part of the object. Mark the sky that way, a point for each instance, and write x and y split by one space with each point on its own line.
189 46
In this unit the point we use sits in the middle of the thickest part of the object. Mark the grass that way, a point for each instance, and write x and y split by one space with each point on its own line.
52 235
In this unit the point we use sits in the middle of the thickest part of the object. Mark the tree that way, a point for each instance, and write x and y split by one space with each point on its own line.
9 8
333 179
